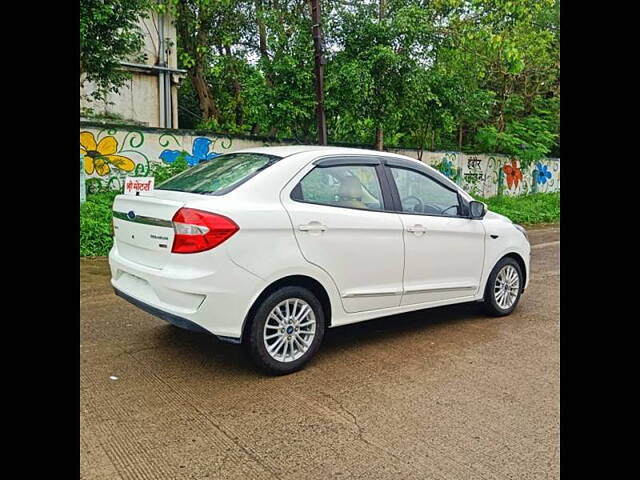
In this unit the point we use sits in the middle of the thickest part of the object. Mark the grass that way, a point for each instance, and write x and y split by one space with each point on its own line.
95 216
530 209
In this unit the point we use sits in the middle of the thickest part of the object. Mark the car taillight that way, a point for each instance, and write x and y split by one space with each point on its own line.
197 230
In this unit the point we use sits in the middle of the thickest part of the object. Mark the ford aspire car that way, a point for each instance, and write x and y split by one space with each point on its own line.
268 247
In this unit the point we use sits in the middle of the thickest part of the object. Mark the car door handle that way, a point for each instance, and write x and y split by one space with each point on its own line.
312 227
417 229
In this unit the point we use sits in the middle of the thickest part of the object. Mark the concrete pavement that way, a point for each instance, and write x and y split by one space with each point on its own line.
446 393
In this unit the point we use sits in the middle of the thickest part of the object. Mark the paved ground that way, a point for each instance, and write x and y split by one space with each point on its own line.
437 394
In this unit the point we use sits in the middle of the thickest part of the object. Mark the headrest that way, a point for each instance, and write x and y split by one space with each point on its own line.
350 188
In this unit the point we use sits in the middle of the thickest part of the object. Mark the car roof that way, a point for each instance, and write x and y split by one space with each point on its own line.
289 150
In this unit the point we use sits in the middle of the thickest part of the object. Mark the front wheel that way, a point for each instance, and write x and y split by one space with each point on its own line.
286 330
504 288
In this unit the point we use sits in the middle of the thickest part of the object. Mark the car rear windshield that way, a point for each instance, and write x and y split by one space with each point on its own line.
219 175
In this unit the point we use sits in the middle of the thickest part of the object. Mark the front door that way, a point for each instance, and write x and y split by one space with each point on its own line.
339 219
444 250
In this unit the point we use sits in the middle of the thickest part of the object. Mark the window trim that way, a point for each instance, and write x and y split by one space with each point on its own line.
397 203
352 161
346 160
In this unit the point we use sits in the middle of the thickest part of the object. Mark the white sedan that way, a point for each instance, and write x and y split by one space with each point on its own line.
270 246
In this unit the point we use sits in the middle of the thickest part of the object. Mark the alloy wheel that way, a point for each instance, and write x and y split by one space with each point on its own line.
507 287
289 330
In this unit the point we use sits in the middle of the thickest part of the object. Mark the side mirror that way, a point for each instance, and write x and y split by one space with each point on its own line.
477 210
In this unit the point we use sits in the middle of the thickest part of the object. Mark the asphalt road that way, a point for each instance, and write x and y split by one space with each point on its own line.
446 393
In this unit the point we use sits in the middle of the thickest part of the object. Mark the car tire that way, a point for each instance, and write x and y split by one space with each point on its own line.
276 320
506 277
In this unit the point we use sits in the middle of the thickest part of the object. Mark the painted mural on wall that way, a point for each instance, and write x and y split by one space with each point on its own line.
112 154
199 153
489 175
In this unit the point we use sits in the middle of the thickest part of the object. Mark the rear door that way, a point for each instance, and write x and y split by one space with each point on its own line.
343 224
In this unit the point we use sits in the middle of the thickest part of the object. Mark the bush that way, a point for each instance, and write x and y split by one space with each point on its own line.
95 224
164 171
527 209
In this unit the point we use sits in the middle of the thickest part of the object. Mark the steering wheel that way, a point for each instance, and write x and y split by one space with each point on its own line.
449 208
413 197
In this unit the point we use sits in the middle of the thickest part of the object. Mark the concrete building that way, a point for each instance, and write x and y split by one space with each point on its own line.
150 97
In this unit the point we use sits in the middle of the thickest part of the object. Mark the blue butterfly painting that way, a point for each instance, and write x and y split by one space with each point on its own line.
199 153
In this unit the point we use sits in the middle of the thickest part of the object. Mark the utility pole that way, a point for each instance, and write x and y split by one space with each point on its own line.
319 71
379 130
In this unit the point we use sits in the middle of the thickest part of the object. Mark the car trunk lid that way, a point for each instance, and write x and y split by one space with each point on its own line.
143 228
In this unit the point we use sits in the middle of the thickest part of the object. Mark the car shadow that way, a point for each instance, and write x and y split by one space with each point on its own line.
216 355
205 350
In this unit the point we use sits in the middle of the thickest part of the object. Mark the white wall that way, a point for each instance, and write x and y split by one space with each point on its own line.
139 99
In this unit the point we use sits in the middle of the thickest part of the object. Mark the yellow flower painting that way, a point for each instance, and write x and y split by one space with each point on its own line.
99 156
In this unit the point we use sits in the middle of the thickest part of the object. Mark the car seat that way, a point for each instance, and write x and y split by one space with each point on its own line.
350 193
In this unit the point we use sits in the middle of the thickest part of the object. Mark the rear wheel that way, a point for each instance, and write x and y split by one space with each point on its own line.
504 288
286 330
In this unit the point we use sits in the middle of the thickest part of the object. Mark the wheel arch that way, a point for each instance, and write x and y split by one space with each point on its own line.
304 281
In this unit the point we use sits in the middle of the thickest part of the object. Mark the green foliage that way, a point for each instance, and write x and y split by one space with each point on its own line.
95 224
109 34
466 75
528 139
527 209
164 171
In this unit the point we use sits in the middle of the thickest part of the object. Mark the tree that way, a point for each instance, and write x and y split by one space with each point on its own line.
382 47
521 50
469 75
206 29
109 34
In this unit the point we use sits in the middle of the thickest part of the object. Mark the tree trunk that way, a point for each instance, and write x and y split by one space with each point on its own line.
235 88
238 100
262 35
190 42
208 108
379 138
460 131
503 99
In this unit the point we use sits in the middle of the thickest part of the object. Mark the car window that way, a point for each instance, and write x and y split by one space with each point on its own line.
421 194
341 186
219 175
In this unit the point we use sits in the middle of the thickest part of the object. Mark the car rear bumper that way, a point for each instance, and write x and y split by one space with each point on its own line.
203 298
171 318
